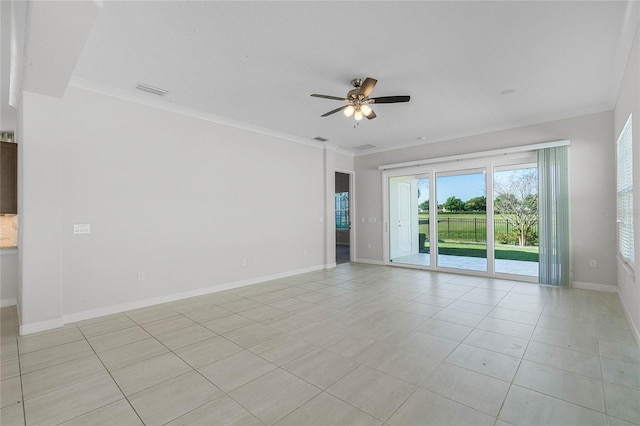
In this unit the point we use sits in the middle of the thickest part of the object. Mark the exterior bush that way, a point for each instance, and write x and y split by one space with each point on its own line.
511 238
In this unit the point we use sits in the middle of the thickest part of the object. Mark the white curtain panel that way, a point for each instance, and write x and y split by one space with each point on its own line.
554 226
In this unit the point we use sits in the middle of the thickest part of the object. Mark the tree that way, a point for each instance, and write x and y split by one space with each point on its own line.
453 204
476 204
424 206
517 201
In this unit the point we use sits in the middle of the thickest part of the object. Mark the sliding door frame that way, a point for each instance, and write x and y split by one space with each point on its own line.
449 166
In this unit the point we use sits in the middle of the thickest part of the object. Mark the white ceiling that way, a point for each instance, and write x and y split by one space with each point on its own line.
258 62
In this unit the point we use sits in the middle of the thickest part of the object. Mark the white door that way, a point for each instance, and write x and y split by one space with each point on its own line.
405 231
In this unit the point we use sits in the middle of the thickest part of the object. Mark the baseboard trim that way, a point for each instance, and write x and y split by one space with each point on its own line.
94 313
634 327
8 302
330 265
114 309
37 327
596 287
369 261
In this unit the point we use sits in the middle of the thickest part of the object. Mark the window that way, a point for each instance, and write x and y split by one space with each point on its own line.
342 210
625 193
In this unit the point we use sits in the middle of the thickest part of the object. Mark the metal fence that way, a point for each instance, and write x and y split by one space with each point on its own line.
467 229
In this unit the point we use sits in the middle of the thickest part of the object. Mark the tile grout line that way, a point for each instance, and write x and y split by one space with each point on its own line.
504 400
378 295
443 361
112 378
24 410
197 370
604 394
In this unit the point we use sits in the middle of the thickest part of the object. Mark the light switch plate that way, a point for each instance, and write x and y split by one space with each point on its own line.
81 228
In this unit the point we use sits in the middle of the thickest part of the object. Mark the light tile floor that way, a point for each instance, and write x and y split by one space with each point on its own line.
356 345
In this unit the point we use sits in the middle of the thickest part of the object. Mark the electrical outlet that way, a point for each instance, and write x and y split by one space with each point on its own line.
141 276
593 263
369 245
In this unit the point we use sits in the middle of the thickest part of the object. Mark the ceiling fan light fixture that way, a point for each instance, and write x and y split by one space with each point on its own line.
349 110
358 100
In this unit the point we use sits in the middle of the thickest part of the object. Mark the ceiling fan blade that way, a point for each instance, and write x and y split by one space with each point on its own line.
390 99
334 111
367 86
371 115
337 98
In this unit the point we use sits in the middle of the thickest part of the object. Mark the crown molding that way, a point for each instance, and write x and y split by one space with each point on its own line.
345 152
190 112
449 137
333 147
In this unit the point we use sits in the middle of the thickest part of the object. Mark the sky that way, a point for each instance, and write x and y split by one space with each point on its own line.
460 186
463 187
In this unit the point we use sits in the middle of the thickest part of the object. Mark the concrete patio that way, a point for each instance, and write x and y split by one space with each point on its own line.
515 267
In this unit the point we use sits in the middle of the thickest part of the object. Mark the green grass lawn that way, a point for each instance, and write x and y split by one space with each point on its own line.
527 254
464 234
464 227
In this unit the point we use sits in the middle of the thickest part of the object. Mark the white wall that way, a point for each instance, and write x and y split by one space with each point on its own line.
40 194
8 276
629 102
181 199
592 180
343 161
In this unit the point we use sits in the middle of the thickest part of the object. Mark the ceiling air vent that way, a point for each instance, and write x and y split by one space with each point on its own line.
321 139
363 147
151 89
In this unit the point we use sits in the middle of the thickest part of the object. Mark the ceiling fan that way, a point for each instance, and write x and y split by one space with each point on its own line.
358 100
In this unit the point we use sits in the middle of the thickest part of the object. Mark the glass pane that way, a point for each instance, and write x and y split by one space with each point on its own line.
516 221
462 220
342 210
409 220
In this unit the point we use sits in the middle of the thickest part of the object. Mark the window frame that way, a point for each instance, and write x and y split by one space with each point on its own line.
625 227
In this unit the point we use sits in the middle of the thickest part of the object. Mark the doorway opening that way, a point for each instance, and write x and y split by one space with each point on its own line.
343 217
409 220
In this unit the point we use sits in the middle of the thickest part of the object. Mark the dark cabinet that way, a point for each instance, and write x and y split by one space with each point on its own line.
8 178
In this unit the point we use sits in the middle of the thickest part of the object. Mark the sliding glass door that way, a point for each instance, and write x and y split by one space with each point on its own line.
479 216
515 204
461 219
